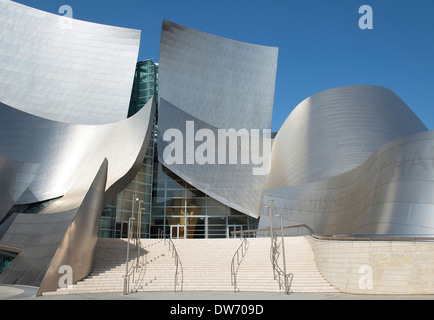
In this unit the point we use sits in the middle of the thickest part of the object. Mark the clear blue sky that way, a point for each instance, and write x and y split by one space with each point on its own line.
321 44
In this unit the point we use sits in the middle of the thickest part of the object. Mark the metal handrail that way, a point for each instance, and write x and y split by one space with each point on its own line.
178 265
277 271
255 231
139 260
284 279
234 269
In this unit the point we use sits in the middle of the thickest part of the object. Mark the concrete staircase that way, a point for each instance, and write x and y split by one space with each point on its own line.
207 263
110 266
206 266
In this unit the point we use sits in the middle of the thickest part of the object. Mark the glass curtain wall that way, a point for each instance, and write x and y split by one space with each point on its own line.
114 218
183 212
145 85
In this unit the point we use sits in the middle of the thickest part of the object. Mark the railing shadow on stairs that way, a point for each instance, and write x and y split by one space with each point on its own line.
179 272
135 273
283 278
236 261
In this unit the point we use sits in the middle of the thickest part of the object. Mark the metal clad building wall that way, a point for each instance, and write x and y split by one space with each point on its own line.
336 130
219 84
337 166
79 75
389 194
103 156
232 184
226 83
63 150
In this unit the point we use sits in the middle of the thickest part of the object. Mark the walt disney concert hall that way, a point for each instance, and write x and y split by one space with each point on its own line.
84 148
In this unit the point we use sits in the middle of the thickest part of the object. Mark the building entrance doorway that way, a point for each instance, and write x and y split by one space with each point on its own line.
203 227
121 229
234 228
177 231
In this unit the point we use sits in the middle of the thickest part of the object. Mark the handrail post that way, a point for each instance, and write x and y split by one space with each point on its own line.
234 269
284 254
127 277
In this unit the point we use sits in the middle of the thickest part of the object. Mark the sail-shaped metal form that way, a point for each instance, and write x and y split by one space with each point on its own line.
353 160
216 83
64 69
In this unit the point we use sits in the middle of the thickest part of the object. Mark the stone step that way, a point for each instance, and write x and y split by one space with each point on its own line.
206 266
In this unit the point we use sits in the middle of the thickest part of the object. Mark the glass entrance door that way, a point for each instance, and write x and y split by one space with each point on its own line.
234 228
121 229
177 231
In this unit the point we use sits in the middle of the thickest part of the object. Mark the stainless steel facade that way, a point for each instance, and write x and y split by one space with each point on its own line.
335 131
52 235
70 71
353 160
64 136
216 83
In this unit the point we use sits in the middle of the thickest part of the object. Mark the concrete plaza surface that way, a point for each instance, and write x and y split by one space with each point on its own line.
17 292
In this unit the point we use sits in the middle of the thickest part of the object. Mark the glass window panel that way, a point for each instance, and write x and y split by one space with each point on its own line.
175 184
175 193
146 207
147 170
197 202
175 211
216 221
238 220
157 211
195 210
214 203
158 201
175 202
127 206
216 211
194 193
148 161
196 227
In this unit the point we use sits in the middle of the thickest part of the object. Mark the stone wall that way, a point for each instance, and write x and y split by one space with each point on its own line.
376 267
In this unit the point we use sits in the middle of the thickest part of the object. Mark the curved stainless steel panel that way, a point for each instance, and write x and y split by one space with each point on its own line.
335 131
223 82
389 194
83 74
121 145
77 249
61 148
235 185
217 83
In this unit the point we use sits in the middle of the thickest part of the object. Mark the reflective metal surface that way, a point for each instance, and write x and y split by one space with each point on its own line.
15 177
217 83
79 72
231 184
65 88
65 231
62 149
346 175
335 131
